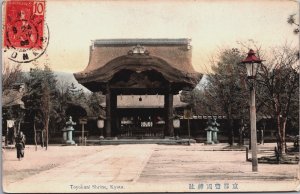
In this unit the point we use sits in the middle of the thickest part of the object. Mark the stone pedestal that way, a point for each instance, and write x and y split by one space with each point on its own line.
64 131
68 132
208 136
215 136
70 137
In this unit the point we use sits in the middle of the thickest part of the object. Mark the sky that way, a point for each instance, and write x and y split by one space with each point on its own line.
210 24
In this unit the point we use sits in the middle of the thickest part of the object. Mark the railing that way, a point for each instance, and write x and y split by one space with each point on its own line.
133 131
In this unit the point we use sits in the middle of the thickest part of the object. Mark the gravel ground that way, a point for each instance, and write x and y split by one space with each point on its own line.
135 168
35 162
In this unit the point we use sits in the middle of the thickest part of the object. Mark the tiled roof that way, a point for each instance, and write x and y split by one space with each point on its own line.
171 57
180 41
12 97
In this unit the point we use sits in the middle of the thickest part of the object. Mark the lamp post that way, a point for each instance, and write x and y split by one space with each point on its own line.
252 64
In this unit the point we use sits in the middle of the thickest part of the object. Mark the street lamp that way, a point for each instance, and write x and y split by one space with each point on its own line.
252 64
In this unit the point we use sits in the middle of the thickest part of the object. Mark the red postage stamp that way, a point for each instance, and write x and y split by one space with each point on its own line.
24 33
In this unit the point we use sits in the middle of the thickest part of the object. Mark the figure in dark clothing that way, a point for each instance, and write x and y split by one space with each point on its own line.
20 145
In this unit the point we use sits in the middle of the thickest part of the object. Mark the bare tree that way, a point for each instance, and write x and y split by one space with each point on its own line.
62 86
279 77
10 74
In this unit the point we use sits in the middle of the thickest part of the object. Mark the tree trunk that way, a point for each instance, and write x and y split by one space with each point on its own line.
241 130
230 127
230 131
46 111
34 134
279 134
47 132
42 132
284 147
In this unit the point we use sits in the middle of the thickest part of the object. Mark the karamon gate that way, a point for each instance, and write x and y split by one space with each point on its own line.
141 70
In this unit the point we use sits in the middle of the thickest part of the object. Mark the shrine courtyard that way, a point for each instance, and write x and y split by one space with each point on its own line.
147 167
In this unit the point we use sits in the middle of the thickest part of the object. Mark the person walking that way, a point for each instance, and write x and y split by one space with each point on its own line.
20 145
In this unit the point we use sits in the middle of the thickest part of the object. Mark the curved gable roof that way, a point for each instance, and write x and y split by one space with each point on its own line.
177 52
137 63
170 57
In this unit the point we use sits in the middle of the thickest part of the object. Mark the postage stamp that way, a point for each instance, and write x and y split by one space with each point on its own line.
26 35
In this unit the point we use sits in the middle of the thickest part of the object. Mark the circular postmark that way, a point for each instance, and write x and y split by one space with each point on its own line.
26 35
26 40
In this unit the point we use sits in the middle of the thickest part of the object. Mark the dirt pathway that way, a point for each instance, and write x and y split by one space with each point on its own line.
137 168
109 164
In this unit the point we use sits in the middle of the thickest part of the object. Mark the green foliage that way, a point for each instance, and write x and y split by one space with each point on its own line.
41 95
277 90
75 94
95 99
226 89
47 100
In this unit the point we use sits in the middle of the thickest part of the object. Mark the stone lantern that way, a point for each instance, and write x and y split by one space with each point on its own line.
209 130
215 131
68 132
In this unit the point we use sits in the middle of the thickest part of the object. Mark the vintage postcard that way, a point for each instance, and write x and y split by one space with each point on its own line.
106 96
